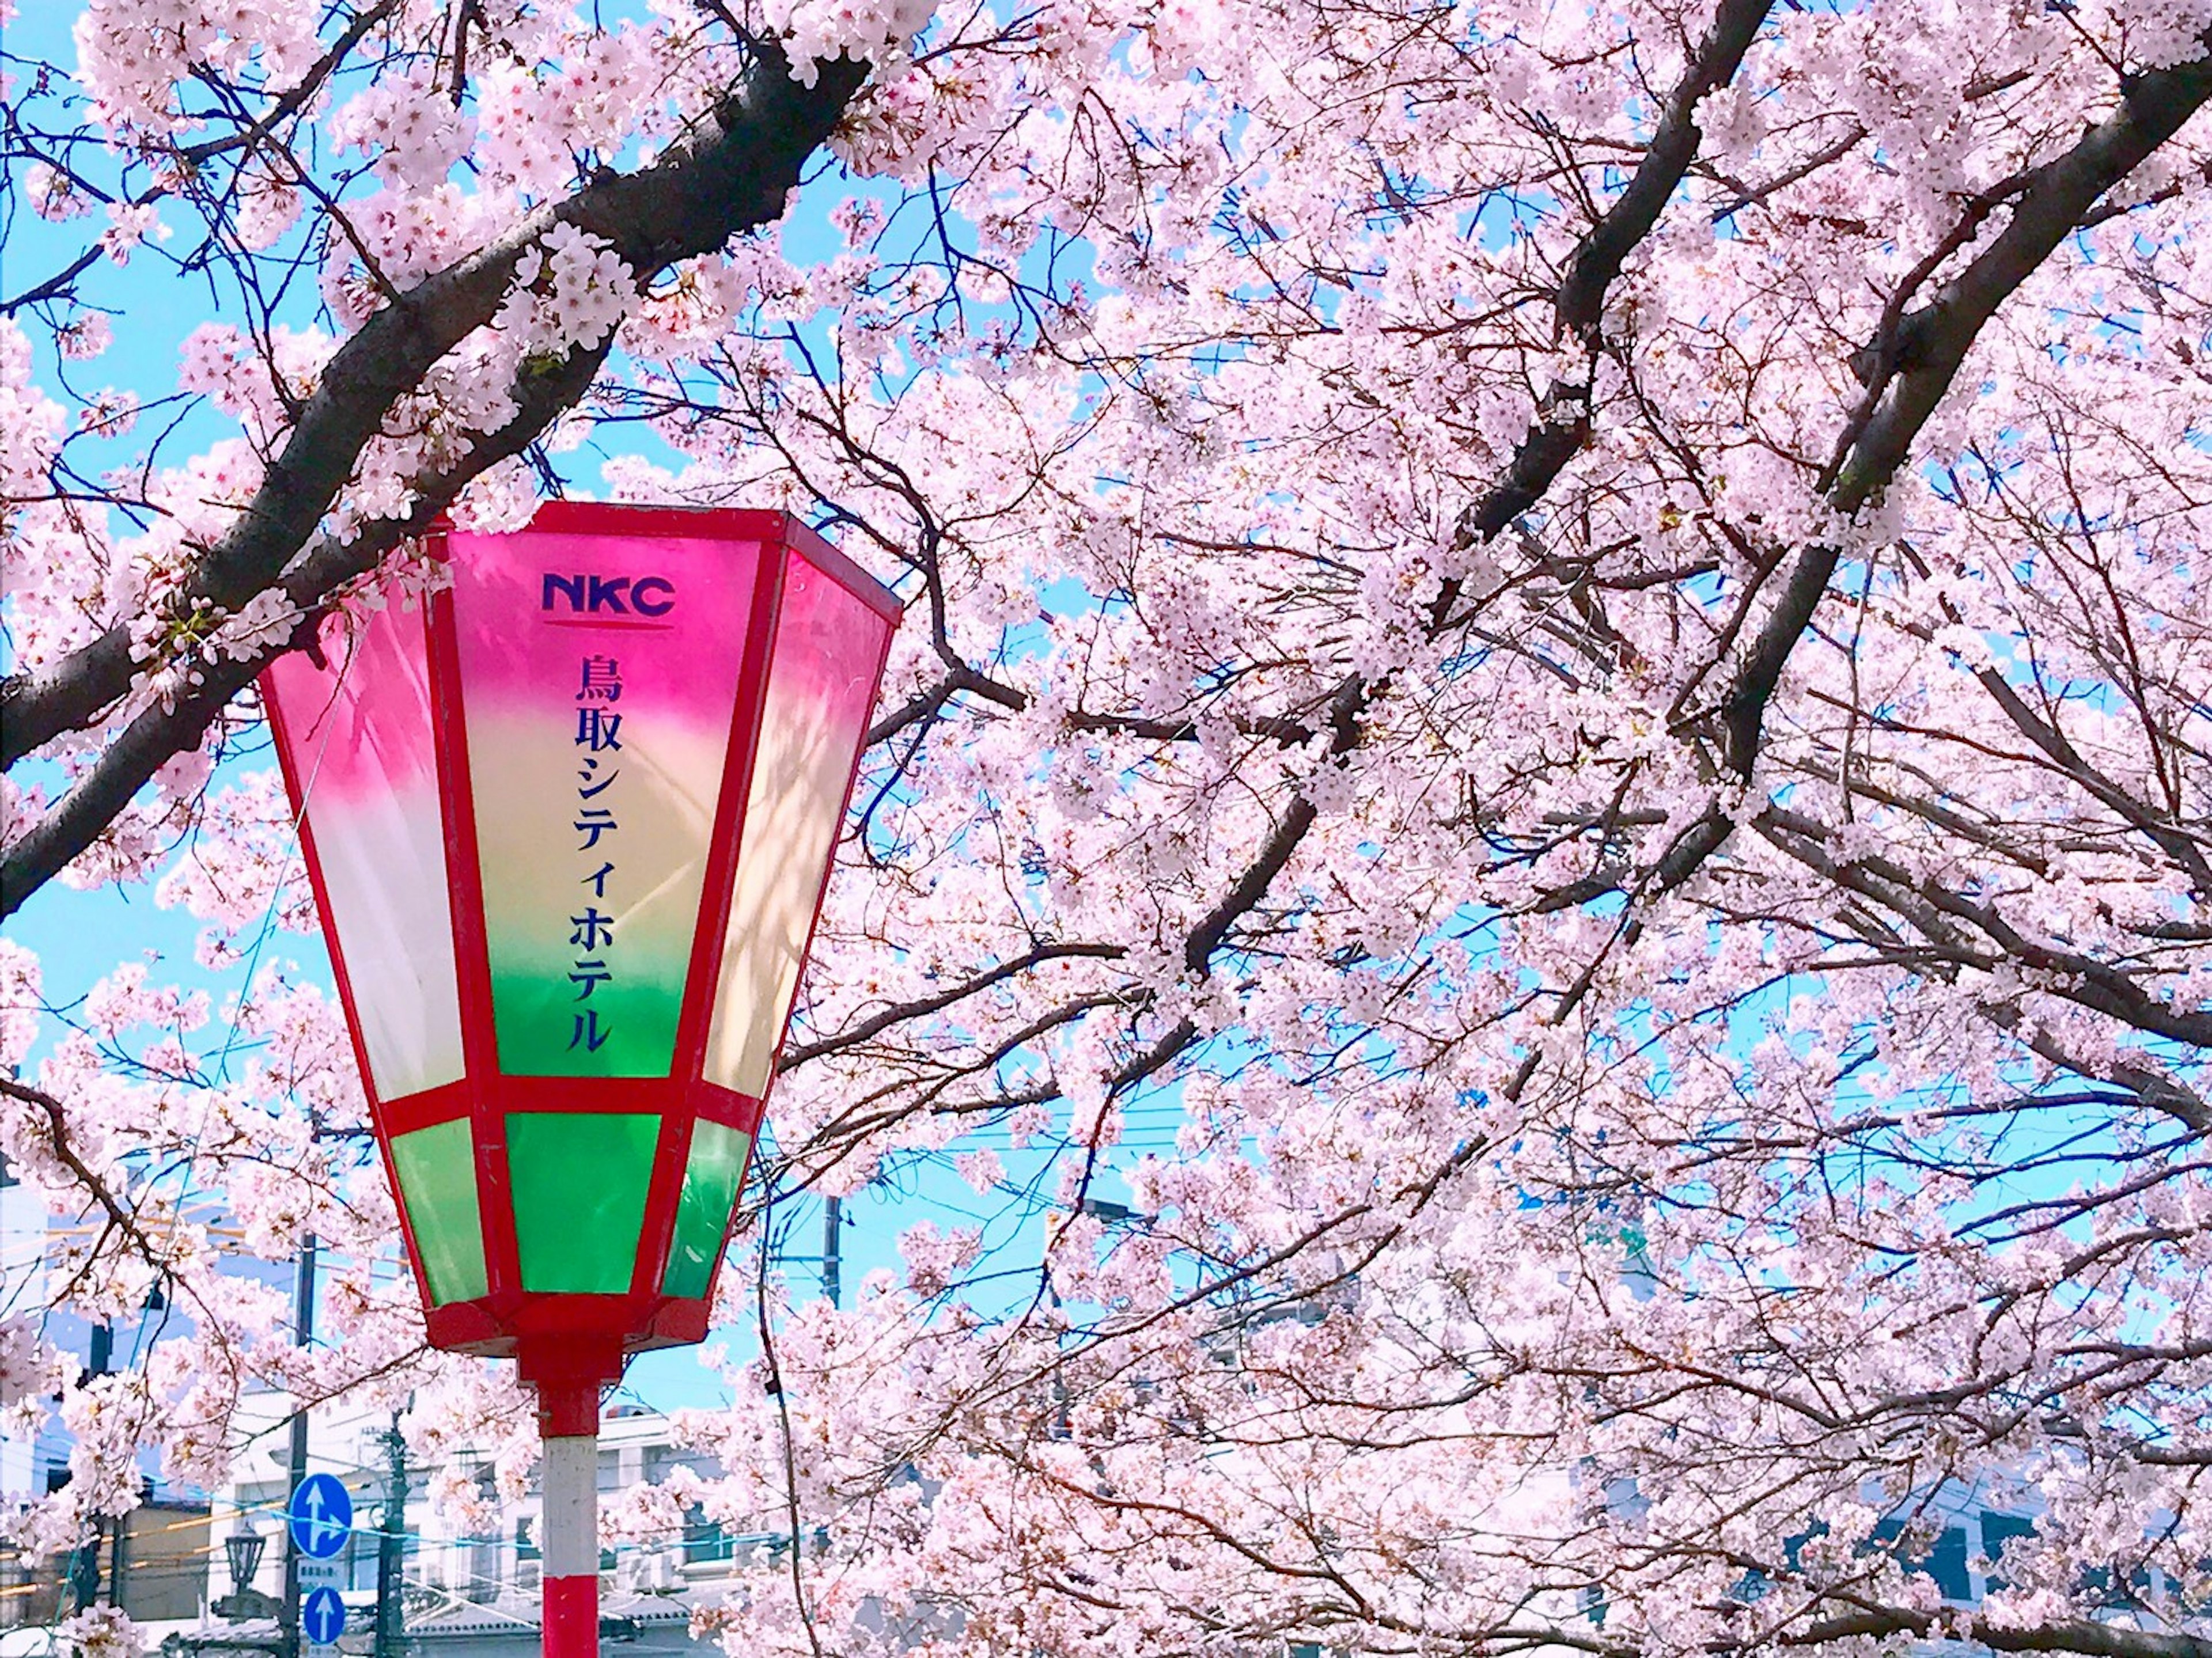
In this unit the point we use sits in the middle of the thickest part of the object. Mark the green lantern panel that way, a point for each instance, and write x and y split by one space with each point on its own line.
580 1181
711 1175
438 1183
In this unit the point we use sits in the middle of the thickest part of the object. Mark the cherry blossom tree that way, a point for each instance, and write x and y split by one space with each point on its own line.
1549 777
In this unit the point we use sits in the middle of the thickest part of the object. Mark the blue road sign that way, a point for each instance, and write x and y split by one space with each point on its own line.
322 1616
320 1514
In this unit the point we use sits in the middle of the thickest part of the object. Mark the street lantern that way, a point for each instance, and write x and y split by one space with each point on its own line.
568 827
243 1550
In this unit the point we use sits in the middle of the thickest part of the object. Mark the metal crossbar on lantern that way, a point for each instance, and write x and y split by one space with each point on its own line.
568 826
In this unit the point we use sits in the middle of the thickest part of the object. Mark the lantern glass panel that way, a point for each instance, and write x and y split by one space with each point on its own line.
437 1170
598 676
357 733
244 1549
821 687
711 1175
580 1180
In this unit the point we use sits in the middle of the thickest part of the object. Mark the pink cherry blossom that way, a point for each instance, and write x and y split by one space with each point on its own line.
1527 925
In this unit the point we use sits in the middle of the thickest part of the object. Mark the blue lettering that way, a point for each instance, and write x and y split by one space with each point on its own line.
646 595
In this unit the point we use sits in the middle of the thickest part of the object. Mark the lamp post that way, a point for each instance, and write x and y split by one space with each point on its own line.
242 1552
568 826
242 1549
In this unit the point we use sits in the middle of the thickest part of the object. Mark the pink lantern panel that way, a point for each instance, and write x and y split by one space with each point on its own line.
355 733
829 652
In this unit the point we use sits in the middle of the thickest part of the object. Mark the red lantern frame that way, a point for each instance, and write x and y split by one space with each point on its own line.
573 1338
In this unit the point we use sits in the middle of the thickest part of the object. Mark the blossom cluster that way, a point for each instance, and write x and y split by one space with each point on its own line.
1527 977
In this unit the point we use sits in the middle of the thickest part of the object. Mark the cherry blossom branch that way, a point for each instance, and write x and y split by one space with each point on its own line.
731 176
1915 360
166 728
1598 258
1563 424
1910 365
119 1217
920 1007
184 161
2076 1634
1536 463
2176 840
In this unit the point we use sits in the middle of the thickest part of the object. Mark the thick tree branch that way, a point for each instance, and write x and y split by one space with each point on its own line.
2056 199
1910 375
1578 304
1915 369
1345 708
2063 1634
169 728
733 175
2177 842
1597 260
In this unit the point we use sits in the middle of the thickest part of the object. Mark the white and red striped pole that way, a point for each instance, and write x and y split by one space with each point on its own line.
569 1484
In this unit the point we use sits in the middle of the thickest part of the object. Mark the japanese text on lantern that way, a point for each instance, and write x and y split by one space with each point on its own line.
598 767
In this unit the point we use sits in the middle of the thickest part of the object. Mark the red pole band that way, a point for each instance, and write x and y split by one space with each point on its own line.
572 1617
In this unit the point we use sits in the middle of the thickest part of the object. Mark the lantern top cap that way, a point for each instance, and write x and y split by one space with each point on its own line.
622 517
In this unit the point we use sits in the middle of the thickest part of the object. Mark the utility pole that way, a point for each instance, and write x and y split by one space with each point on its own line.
115 1530
833 1221
303 1327
390 1547
85 1560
